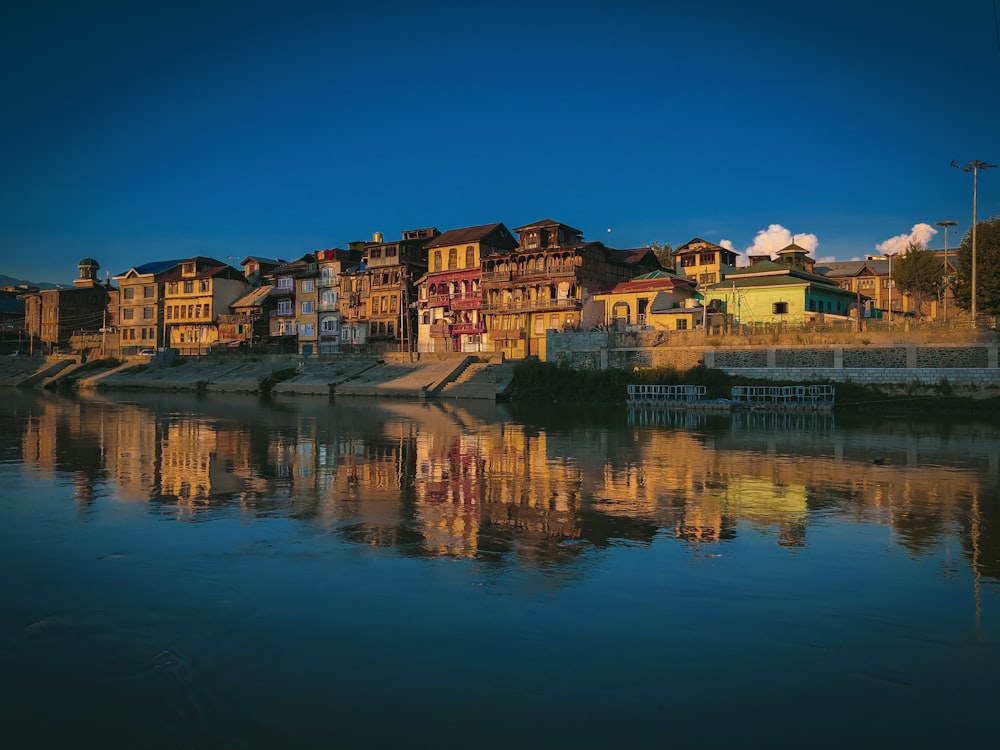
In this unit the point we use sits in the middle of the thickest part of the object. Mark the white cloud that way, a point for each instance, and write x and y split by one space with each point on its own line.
921 233
769 241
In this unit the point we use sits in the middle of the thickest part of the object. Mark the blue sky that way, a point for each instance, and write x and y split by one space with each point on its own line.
134 132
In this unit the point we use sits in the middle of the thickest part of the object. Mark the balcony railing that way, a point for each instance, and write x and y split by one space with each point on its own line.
496 275
282 313
544 273
459 328
525 305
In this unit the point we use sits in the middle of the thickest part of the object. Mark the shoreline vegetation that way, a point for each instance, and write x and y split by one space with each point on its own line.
541 381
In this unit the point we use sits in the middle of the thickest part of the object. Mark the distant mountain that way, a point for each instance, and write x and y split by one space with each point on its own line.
11 281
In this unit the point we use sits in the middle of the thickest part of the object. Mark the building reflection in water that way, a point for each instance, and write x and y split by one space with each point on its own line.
466 480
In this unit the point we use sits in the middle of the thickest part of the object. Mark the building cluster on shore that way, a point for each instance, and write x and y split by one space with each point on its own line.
473 289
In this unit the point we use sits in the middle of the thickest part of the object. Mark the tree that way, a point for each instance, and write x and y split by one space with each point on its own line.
918 274
987 268
664 253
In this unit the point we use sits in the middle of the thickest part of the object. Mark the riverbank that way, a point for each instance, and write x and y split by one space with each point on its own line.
284 375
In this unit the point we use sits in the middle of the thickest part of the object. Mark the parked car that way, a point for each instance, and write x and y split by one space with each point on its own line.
147 352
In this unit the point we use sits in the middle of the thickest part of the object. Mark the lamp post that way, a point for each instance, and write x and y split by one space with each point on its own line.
944 294
973 167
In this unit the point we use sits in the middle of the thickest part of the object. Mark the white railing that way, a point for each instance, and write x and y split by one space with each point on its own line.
783 394
656 393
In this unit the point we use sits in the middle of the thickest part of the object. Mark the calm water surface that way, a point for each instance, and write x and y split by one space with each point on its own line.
233 573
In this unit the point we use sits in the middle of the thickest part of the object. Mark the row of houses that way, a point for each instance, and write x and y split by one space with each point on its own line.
473 289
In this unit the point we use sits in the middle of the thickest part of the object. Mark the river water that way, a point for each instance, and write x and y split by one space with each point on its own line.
227 572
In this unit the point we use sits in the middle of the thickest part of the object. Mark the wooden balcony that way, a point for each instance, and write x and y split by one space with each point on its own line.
537 305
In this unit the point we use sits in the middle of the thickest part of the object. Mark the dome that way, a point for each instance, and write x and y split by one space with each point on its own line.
88 263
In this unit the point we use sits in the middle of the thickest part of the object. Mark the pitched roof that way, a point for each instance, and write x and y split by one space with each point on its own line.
631 257
842 268
152 268
546 223
648 282
697 244
254 298
468 234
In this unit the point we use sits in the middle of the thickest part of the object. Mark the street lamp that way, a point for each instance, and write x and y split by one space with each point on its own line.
973 167
944 294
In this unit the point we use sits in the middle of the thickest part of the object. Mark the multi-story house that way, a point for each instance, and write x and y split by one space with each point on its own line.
54 316
703 262
196 293
393 268
256 269
283 331
353 299
450 296
548 282
246 326
870 278
306 314
331 263
138 319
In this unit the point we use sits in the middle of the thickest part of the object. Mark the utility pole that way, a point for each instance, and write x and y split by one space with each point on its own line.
973 167
944 294
889 256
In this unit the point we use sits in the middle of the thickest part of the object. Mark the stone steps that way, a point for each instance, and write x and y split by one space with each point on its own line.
480 380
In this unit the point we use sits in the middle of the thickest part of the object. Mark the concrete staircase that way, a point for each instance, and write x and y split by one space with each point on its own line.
480 380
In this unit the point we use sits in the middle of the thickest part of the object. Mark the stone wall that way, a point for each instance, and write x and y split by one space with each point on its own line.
967 365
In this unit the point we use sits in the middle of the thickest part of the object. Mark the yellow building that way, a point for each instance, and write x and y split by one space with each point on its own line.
139 316
195 295
658 300
450 301
703 262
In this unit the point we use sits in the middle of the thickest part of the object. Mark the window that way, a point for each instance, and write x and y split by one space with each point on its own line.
328 325
437 260
284 307
307 307
203 285
285 282
452 258
188 287
148 292
172 287
128 313
307 329
706 259
682 324
470 256
687 261
308 285
187 269
128 292
706 278
147 313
